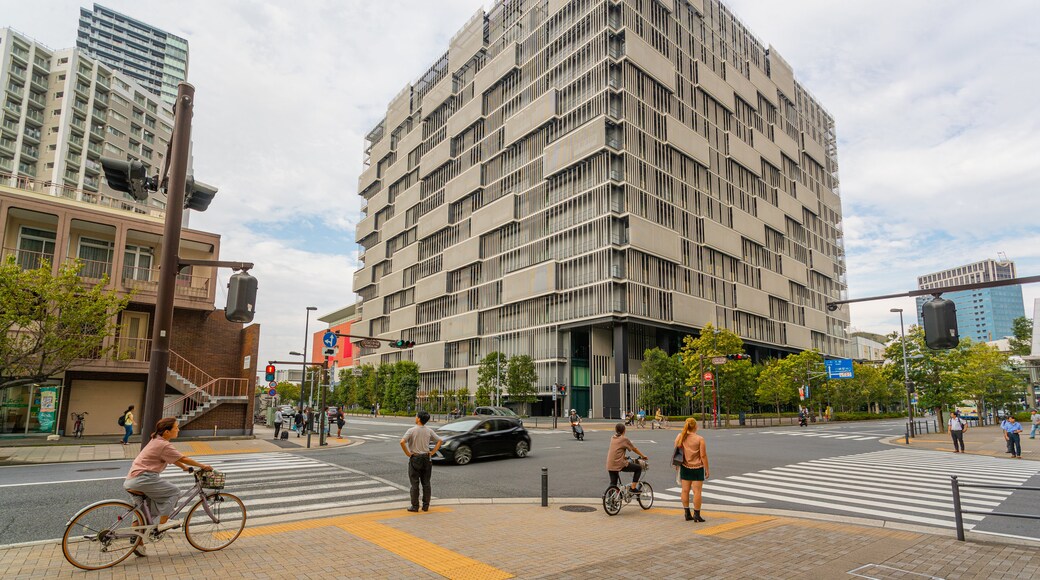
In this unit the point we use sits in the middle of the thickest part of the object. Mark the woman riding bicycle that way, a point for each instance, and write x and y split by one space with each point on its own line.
616 460
151 461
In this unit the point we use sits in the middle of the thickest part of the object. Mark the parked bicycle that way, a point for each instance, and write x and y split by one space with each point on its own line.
105 533
618 495
77 424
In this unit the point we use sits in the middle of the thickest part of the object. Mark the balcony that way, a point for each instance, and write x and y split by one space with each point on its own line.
21 54
41 63
28 260
6 164
39 82
94 148
37 99
8 145
91 183
92 166
15 90
30 151
98 131
94 271
32 134
35 116
18 73
146 281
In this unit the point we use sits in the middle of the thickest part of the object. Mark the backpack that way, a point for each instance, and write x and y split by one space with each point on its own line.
122 420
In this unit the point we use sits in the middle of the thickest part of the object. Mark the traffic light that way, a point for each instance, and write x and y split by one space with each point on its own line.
128 177
402 343
269 373
198 195
562 389
738 357
241 299
940 324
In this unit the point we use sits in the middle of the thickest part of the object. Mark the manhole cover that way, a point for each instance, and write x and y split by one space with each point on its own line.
578 508
99 469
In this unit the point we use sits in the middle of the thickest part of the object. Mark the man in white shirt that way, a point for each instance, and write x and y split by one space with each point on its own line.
277 422
416 445
957 429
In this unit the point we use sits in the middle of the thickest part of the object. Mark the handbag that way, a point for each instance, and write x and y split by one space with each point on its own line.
677 456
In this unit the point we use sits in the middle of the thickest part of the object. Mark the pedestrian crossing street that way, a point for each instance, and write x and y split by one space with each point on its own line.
825 435
280 483
892 484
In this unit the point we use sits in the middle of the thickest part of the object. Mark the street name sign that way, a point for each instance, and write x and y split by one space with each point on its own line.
718 360
369 343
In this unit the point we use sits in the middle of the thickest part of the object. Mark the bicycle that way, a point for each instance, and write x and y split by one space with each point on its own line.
105 533
77 424
641 422
616 496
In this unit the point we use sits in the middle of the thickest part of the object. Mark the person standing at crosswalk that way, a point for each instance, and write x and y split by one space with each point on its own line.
694 468
957 429
278 418
1013 435
416 445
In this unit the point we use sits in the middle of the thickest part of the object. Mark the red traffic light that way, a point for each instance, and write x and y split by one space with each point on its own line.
269 373
738 357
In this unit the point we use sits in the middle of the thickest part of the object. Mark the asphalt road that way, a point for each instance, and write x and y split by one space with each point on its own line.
786 467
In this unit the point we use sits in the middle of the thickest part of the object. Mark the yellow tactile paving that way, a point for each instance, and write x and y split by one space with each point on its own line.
414 549
200 448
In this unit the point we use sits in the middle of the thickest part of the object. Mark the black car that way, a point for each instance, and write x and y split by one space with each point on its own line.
472 437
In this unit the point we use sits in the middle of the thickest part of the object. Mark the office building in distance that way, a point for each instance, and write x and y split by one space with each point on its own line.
583 180
983 314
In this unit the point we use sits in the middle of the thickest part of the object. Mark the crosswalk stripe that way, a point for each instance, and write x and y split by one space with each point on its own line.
321 506
894 484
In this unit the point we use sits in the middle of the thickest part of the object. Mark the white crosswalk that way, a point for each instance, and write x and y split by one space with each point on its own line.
893 484
377 437
825 435
279 483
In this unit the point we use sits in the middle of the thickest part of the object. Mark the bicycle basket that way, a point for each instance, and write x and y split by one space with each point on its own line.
213 479
639 461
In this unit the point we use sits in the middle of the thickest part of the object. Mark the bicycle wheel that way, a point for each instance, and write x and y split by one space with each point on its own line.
210 534
612 501
646 498
103 535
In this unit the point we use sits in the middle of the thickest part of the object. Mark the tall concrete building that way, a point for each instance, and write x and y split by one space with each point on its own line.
582 180
63 111
983 314
154 58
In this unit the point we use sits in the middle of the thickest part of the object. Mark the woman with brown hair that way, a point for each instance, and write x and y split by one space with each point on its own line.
150 462
694 468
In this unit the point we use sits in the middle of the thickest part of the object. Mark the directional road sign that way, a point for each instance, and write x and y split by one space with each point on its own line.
839 368
329 339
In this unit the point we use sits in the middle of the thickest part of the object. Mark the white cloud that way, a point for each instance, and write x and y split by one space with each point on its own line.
934 104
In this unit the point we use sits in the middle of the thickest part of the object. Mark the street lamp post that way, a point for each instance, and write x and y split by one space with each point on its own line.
906 375
498 373
306 343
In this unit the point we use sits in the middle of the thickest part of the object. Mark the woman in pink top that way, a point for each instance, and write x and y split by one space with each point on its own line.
150 462
694 468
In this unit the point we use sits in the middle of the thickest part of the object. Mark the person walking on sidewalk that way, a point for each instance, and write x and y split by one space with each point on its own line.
1012 432
278 418
298 423
694 468
416 445
618 462
128 424
957 429
1034 418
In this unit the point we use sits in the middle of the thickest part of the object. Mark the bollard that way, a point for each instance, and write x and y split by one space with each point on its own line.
958 518
545 487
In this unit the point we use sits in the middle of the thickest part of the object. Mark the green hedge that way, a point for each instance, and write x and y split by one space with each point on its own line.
864 416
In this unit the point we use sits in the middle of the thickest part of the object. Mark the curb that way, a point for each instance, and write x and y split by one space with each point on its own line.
970 535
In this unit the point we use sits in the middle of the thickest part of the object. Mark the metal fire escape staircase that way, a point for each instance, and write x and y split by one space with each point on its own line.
199 391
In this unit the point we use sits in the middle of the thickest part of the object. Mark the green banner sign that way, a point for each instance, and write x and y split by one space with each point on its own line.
48 408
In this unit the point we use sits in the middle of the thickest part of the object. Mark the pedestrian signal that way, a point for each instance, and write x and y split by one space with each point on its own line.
269 373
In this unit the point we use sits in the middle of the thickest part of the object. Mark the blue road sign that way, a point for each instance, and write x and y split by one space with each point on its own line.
329 339
839 368
272 392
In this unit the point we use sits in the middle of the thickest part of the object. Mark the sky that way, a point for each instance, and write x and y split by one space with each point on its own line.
934 103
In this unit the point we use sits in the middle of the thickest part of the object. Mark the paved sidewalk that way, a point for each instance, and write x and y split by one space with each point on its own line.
488 539
988 440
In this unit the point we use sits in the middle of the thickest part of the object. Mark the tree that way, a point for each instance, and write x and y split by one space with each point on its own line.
928 370
1022 340
288 393
697 352
462 396
737 382
981 373
660 376
385 388
520 376
775 384
405 378
47 322
492 367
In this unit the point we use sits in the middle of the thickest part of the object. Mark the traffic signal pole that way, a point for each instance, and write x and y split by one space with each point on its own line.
169 264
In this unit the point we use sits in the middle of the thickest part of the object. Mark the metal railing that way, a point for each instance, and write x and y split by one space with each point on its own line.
29 260
958 511
146 281
120 202
925 426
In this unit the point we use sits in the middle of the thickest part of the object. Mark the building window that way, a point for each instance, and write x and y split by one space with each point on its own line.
35 246
137 263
